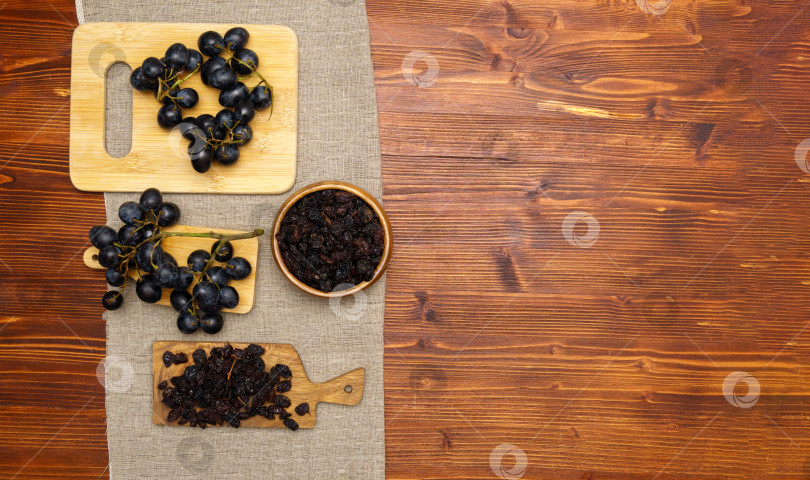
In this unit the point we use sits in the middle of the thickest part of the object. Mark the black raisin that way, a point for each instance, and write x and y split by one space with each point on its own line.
282 401
168 358
291 424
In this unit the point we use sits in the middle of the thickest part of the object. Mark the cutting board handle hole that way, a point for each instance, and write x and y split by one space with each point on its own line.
347 389
118 110
95 258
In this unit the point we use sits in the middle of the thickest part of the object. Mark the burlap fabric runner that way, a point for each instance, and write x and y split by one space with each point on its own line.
338 139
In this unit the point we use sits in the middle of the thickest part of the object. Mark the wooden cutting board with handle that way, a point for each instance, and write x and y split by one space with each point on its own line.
158 157
181 247
347 389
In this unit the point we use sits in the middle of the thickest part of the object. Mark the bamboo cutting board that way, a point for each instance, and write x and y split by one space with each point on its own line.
347 389
181 247
158 156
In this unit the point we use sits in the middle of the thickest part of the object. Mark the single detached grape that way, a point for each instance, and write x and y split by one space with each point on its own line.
112 300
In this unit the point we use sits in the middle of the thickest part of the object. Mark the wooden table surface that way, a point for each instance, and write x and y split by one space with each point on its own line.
601 268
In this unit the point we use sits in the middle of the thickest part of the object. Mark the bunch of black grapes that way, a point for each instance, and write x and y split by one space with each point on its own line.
136 247
230 64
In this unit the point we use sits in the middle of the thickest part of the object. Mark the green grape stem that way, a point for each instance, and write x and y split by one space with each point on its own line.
162 95
254 72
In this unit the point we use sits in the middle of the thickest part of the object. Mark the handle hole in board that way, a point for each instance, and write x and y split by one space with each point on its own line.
118 110
95 258
347 389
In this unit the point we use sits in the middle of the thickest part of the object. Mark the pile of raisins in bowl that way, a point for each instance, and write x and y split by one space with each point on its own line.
330 238
228 385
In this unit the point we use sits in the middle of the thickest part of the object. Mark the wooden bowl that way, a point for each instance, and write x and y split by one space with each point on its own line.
331 185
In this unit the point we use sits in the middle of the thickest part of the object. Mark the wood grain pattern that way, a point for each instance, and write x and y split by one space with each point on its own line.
266 165
677 134
52 337
346 389
181 247
614 355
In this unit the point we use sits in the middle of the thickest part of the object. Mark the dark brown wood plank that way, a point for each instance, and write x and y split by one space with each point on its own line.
52 420
677 134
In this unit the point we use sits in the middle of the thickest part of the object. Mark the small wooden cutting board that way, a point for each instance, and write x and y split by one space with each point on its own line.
181 247
158 157
346 389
